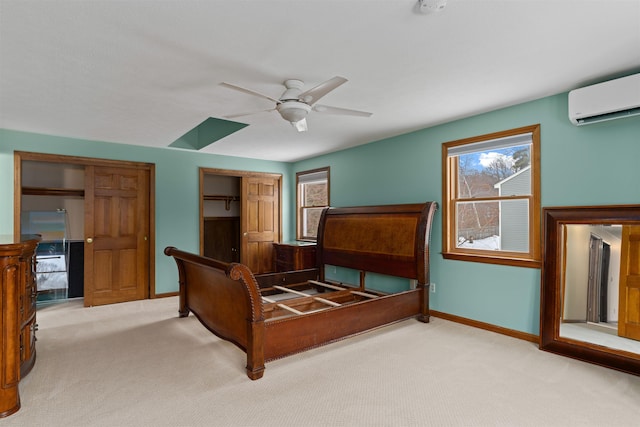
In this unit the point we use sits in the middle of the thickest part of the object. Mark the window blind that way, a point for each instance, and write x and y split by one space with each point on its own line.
312 177
492 144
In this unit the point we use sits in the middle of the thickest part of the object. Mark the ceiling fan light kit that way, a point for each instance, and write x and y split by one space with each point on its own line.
294 105
290 108
293 111
300 125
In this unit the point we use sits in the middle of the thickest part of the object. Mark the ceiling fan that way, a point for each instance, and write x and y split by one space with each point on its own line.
294 105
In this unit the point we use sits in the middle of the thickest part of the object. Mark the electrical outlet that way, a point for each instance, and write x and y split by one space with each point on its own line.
433 288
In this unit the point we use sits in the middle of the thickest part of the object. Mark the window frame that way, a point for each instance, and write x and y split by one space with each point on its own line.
299 199
532 258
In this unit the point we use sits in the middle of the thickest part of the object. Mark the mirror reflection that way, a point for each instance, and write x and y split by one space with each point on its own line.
600 296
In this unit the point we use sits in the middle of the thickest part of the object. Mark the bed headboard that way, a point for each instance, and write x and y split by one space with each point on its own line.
388 239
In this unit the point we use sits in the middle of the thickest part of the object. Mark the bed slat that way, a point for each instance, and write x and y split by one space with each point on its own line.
364 294
322 300
292 291
326 301
298 312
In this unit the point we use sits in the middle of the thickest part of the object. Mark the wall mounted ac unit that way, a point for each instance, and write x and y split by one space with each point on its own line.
610 100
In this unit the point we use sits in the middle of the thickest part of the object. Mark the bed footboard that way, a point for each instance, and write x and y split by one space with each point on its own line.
226 300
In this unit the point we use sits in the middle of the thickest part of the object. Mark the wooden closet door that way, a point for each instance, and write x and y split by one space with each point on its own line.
116 235
260 222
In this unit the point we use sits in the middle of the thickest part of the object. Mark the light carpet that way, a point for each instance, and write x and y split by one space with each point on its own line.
138 364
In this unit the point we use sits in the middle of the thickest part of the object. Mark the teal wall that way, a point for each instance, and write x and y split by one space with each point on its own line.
177 192
590 165
596 164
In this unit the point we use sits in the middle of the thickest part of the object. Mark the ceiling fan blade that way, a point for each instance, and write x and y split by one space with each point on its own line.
249 91
233 116
300 125
341 111
314 94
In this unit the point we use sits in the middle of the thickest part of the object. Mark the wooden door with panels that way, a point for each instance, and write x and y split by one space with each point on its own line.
116 235
629 293
261 222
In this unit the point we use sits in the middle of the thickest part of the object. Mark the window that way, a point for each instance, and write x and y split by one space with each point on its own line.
491 198
312 197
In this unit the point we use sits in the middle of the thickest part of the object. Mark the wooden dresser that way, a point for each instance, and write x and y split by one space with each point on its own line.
294 255
18 317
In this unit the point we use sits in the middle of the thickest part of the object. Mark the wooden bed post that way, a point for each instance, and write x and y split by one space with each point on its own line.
422 257
183 311
362 280
424 304
255 350
255 324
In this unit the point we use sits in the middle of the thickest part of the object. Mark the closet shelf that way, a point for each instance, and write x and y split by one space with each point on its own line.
226 199
49 191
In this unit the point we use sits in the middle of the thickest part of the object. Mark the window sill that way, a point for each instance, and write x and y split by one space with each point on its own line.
502 260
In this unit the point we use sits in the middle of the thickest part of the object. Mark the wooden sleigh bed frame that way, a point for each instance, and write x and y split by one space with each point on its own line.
252 311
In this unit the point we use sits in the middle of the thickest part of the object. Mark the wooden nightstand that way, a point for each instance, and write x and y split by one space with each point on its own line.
294 256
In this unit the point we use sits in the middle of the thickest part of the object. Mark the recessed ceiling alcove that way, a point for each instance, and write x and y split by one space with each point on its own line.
206 133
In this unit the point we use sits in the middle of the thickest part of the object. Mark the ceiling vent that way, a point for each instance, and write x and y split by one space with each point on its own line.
610 100
430 6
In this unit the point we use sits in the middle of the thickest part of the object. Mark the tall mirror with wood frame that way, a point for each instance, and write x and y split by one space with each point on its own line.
590 301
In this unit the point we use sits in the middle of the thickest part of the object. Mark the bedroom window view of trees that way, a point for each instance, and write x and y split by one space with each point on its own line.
483 175
492 197
312 198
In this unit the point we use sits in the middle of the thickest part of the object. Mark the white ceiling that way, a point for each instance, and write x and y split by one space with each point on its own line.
146 72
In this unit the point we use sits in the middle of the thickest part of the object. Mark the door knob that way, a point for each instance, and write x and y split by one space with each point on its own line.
89 240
